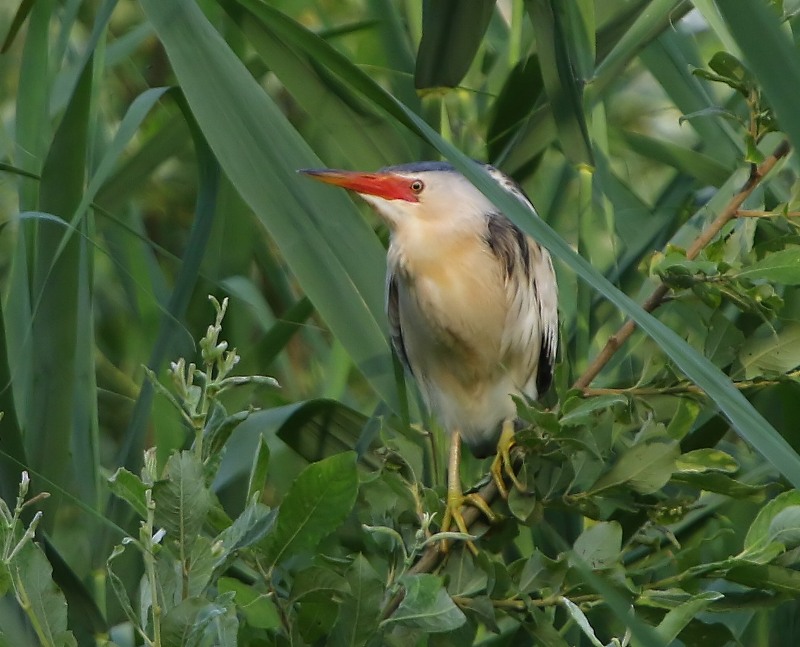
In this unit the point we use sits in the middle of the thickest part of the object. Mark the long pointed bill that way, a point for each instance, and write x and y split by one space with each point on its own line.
383 185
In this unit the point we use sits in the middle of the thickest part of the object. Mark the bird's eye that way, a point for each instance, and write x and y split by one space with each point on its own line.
417 186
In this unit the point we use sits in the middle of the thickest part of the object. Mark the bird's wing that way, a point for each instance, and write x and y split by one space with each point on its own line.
393 314
531 331
546 290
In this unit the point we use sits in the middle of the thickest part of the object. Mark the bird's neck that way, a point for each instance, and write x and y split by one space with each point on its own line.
429 248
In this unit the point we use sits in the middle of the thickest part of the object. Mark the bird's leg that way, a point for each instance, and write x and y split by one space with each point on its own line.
456 498
502 466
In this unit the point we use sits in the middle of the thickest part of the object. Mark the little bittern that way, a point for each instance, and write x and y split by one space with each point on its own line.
472 305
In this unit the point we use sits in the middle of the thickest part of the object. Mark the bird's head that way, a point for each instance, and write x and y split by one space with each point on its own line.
411 192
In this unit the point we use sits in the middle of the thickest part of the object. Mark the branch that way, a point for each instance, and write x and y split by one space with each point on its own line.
433 555
730 211
683 388
758 213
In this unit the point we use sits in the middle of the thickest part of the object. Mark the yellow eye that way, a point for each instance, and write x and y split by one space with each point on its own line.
417 186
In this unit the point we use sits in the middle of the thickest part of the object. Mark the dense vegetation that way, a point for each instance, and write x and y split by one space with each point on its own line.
159 488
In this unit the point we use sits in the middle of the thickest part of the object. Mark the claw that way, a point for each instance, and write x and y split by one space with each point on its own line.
456 499
502 466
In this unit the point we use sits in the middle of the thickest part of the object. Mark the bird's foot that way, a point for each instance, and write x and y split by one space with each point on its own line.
456 499
453 520
502 466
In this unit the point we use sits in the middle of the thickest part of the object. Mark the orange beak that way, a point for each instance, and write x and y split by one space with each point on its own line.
383 185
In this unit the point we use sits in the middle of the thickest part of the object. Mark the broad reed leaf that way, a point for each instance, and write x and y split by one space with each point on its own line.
60 272
452 32
332 252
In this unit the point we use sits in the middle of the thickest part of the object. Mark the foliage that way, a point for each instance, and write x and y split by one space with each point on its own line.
149 157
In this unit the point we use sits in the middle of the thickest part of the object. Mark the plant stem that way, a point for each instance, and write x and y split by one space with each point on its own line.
758 213
616 340
683 387
150 568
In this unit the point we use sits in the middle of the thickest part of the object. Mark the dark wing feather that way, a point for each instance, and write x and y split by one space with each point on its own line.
393 314
531 285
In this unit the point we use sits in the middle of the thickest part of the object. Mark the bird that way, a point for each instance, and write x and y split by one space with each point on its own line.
472 305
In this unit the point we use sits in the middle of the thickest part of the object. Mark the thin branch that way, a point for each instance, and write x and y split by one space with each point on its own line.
433 555
757 213
616 340
685 387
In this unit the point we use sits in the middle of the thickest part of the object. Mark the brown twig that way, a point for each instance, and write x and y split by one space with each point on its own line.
433 555
730 211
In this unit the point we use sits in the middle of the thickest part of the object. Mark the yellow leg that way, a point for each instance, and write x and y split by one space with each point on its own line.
502 466
456 498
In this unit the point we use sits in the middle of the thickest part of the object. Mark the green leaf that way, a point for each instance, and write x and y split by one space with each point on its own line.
317 503
720 483
726 64
32 574
778 267
481 609
723 341
524 506
541 572
60 273
118 586
359 614
130 488
767 577
599 546
785 527
196 622
199 567
427 606
582 621
250 527
757 31
706 460
778 521
563 88
703 168
773 353
581 410
370 140
464 576
258 608
258 472
680 616
319 578
452 31
646 467
182 499
19 19
545 633
522 88
321 428
219 429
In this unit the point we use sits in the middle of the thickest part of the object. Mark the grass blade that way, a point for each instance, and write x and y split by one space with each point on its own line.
338 261
452 32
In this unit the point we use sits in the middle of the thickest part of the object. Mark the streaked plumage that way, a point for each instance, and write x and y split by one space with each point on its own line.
472 303
471 299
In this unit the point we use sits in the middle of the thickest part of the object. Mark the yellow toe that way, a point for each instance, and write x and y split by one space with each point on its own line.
502 467
456 499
